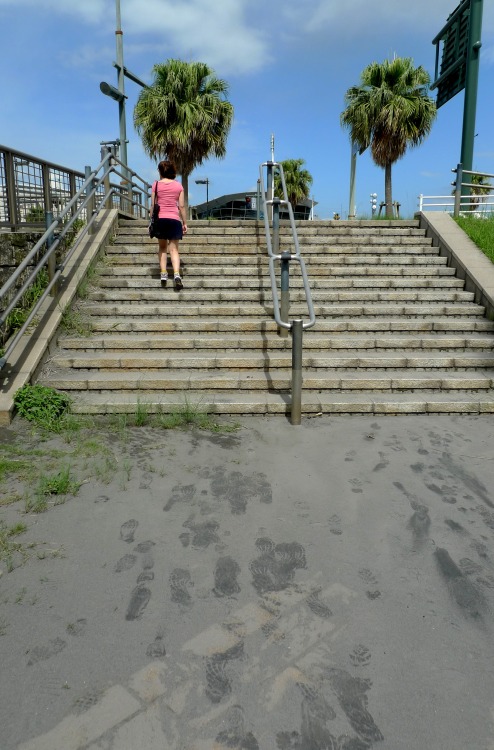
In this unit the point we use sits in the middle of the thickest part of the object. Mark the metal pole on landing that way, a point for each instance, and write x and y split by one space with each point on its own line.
121 88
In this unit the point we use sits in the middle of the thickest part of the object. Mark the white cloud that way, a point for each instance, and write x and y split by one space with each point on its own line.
357 18
218 33
91 11
221 33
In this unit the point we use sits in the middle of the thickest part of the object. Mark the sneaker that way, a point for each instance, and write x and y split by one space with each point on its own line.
164 278
178 283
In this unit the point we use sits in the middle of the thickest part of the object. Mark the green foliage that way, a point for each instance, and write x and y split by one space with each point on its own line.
60 483
36 215
42 405
298 181
184 115
389 111
480 231
18 316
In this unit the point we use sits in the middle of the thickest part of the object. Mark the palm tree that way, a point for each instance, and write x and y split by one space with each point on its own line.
184 116
298 181
389 111
480 189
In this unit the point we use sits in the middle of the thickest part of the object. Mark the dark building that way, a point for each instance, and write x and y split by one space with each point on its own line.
243 206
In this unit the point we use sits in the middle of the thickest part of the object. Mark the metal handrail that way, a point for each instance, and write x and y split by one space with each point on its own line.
274 255
86 198
271 210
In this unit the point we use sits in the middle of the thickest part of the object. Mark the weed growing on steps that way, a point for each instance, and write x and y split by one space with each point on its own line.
42 405
90 279
74 322
194 415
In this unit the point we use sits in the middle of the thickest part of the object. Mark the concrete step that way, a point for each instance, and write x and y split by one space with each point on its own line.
439 326
179 306
312 340
204 359
126 277
242 402
225 255
218 380
296 295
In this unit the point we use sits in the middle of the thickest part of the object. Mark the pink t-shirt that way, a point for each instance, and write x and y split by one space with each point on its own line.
168 195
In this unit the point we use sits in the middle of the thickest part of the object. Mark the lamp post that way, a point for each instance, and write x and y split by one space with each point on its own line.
119 93
205 181
373 202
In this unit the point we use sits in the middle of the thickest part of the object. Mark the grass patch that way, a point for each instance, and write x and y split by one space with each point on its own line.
9 548
194 415
480 231
13 467
61 483
141 415
43 406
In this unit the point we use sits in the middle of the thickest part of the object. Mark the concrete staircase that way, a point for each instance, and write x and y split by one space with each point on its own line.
395 330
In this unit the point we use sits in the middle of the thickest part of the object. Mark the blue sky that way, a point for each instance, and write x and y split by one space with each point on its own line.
288 65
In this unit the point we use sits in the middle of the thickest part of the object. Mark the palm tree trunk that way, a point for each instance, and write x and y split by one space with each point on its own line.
388 193
185 185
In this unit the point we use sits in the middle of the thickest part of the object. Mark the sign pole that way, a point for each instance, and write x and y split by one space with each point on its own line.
471 88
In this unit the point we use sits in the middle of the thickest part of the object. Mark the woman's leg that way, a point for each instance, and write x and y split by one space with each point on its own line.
163 244
174 255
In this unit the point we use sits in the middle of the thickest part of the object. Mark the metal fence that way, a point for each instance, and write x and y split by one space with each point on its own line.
470 196
96 193
30 188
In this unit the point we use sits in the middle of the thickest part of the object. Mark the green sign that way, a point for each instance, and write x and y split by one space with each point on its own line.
450 78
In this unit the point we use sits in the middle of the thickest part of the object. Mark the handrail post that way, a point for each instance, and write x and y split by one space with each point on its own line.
270 186
276 226
91 203
51 265
297 331
12 193
285 292
106 182
459 180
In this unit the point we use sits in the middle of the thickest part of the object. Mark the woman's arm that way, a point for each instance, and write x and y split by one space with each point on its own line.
181 210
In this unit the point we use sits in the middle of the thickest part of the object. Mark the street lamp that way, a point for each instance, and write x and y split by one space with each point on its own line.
373 202
118 94
205 181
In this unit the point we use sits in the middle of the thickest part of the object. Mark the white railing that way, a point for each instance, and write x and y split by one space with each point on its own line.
479 204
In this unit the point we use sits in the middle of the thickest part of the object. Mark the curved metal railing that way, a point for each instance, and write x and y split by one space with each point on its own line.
281 305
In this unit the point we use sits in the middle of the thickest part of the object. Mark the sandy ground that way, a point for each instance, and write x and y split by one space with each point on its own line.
327 586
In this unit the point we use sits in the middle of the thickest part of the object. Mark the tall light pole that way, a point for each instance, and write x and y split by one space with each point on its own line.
205 181
121 85
119 93
353 169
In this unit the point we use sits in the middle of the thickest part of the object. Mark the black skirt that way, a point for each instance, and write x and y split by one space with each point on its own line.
168 229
